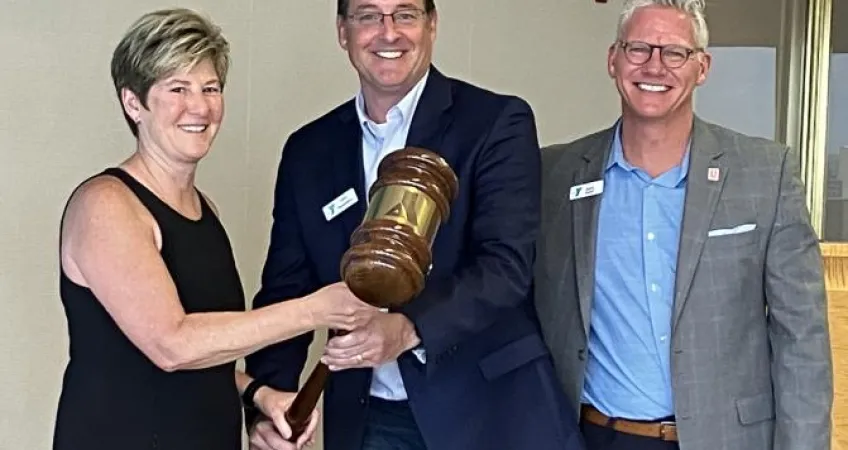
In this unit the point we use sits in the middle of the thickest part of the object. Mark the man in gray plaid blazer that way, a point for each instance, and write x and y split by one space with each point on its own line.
679 282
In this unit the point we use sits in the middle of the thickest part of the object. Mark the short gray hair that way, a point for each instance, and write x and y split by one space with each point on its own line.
693 8
162 42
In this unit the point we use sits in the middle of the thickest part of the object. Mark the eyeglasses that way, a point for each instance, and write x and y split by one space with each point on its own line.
672 56
402 18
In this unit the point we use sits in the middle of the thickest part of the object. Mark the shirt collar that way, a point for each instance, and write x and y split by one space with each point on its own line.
402 110
616 158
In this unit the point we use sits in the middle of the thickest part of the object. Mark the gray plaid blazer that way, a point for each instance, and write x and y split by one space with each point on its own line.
751 363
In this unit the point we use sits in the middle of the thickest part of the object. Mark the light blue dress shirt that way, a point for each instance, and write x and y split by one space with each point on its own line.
628 373
379 140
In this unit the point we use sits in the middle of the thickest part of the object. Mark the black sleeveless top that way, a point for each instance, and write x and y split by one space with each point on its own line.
114 397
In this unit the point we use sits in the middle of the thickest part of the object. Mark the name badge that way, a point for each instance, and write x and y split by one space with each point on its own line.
586 190
340 204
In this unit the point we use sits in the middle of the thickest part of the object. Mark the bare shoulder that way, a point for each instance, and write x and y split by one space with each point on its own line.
99 209
102 198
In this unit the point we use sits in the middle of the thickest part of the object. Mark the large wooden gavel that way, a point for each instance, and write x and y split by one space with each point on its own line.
390 253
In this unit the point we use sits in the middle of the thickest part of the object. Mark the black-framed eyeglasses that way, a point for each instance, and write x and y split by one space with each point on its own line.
672 56
402 17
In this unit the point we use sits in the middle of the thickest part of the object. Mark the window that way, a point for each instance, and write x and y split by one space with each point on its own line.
740 90
836 141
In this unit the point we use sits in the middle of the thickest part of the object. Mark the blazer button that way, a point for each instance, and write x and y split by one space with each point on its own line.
581 354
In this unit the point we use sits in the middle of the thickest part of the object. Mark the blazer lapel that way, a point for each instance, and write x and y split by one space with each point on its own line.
702 194
585 220
348 171
430 121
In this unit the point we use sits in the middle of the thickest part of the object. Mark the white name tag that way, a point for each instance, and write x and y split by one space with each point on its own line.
586 190
340 204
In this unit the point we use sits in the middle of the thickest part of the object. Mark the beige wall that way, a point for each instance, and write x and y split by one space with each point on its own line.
60 122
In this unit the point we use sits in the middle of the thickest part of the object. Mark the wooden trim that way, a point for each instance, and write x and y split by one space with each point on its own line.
835 256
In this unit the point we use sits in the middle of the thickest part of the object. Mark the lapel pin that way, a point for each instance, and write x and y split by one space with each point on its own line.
713 174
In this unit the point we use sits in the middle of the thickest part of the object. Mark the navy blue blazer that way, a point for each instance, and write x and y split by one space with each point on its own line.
488 382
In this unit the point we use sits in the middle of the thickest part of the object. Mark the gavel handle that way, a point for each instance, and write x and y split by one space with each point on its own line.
300 411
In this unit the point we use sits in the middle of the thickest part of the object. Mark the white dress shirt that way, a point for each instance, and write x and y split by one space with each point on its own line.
379 140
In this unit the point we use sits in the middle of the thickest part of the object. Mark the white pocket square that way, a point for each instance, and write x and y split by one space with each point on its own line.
744 228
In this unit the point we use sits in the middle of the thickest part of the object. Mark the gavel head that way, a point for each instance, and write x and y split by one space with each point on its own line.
390 252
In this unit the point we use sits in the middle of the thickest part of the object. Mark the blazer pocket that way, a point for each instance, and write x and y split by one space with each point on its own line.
738 240
512 356
755 409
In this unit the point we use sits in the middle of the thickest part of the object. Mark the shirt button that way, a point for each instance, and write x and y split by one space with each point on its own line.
651 236
662 338
654 287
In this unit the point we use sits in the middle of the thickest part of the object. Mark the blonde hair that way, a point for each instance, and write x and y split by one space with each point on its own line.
161 43
693 8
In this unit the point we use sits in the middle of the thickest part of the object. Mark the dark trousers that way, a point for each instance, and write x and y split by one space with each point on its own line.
603 438
391 426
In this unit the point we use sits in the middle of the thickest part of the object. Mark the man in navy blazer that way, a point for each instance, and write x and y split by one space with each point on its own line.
462 366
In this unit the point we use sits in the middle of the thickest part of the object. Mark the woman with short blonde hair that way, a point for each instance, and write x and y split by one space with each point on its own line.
154 303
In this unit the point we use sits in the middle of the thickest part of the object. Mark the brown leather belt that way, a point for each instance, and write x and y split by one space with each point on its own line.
666 431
